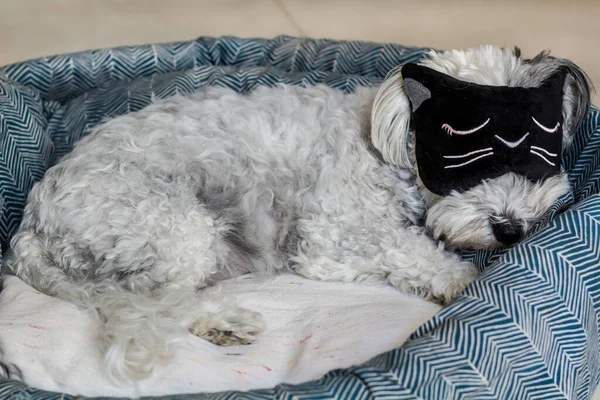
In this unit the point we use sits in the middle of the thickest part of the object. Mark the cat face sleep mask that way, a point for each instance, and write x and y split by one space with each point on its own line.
467 133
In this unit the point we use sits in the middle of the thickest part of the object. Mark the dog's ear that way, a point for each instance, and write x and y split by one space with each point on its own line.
576 99
390 118
577 90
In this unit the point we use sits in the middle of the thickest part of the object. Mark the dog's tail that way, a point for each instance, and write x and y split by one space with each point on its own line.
135 326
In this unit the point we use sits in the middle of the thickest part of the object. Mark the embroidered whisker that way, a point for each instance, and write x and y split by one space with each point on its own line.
544 150
470 153
542 157
470 161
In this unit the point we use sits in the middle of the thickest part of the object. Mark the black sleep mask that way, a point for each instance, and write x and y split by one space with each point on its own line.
466 133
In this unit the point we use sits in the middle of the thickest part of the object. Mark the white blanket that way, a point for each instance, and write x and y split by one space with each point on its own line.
313 327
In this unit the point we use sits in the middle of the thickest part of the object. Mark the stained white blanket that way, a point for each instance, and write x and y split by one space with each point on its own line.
313 327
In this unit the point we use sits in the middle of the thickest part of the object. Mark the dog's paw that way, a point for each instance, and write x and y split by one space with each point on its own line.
229 329
449 284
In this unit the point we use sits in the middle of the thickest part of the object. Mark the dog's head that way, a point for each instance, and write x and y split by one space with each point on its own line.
497 210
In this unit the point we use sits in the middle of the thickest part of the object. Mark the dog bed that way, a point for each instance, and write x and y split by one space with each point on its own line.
526 328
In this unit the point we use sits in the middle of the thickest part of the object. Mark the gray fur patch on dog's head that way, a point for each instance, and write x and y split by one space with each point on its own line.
576 93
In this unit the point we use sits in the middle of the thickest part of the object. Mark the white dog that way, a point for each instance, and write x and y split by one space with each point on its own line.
155 205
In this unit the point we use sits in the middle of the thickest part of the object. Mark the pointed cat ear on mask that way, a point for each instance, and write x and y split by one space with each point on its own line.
417 93
577 88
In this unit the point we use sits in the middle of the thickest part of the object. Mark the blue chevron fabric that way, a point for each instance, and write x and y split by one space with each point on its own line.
526 329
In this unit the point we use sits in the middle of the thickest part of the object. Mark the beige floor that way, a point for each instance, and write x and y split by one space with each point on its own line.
33 28
571 29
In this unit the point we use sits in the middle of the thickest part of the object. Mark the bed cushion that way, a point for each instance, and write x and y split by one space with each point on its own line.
527 327
312 328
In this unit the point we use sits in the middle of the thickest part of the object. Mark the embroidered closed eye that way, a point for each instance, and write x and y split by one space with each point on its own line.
549 130
451 130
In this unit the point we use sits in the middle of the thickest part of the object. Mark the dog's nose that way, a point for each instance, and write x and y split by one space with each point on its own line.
507 233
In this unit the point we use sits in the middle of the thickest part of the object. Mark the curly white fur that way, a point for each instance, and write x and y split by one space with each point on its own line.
153 206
